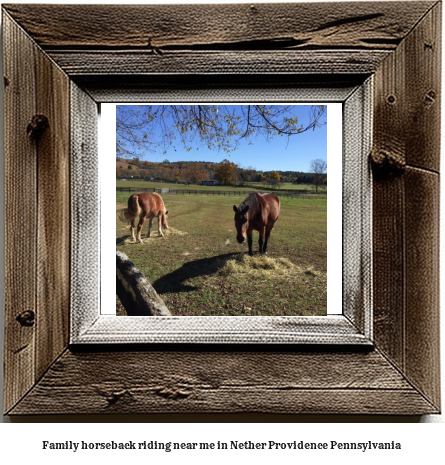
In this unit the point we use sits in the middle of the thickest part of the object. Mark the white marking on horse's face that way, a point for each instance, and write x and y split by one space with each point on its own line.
241 224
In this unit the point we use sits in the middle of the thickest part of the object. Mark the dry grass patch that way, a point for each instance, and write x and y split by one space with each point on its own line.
174 232
265 267
259 266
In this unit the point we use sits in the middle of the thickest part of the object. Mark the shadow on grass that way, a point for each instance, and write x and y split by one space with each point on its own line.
174 282
121 240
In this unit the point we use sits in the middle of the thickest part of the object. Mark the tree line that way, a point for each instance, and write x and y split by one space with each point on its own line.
225 172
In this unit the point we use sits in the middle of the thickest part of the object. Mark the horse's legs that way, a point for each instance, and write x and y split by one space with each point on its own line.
140 224
265 240
261 242
132 230
268 230
150 222
249 241
159 225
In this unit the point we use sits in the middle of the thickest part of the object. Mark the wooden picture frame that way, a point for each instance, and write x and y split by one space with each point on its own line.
57 70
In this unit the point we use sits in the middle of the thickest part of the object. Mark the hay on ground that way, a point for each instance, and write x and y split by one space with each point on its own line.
265 267
258 265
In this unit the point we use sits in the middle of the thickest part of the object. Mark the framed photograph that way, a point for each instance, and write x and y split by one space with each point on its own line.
223 207
376 351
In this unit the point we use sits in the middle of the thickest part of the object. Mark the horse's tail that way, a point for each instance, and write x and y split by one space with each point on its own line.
133 210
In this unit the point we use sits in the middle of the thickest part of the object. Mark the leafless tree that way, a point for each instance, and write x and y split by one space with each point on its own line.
318 167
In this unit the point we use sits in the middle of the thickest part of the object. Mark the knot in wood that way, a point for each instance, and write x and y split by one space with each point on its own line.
387 162
37 126
173 392
26 318
115 396
430 97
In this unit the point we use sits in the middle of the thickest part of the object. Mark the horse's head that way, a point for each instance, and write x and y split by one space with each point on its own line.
241 222
164 219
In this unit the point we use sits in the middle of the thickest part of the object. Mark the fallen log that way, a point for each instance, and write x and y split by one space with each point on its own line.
136 294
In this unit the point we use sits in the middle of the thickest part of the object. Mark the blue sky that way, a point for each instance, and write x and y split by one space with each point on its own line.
279 153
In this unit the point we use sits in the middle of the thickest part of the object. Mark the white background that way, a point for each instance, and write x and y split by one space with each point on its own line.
21 439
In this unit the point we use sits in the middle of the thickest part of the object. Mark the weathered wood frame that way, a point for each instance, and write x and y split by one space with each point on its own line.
77 56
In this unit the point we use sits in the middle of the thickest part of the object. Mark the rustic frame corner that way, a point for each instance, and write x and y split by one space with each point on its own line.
55 78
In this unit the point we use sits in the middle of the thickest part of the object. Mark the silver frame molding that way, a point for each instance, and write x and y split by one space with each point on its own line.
353 327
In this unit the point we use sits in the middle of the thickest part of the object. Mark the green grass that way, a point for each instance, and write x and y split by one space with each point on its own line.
198 268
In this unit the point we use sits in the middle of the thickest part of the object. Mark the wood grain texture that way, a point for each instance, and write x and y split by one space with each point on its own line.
423 92
349 25
37 191
422 364
406 206
21 213
388 268
129 63
196 330
53 224
223 382
357 209
388 201
218 87
229 39
85 264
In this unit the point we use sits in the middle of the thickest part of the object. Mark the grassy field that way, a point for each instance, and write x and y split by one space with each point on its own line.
198 268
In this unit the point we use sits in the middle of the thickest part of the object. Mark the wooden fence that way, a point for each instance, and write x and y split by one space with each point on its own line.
166 190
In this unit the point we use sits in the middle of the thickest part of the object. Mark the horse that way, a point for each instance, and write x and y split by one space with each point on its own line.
144 205
257 212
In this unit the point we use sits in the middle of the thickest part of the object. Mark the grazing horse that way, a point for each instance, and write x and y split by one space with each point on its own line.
144 205
257 212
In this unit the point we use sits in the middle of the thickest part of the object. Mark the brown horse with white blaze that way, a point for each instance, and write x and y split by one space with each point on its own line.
144 205
257 212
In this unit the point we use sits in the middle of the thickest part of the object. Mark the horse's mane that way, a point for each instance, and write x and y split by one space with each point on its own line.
251 200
